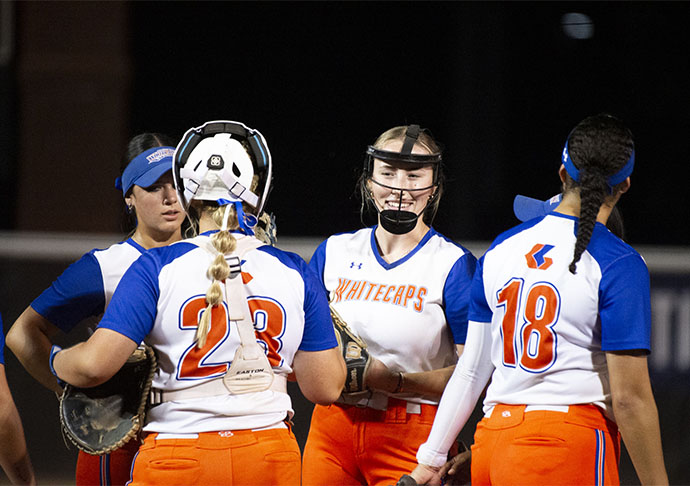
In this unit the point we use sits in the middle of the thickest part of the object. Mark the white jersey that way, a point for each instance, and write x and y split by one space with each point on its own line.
550 329
85 288
159 302
410 312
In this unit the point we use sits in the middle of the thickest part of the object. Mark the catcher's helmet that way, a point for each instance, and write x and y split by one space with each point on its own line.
225 162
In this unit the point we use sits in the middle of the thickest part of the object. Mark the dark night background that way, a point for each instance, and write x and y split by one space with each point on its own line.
499 84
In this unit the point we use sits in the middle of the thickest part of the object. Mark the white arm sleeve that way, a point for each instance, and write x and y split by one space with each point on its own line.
471 374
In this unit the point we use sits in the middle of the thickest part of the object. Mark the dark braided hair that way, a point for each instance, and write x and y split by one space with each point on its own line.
599 146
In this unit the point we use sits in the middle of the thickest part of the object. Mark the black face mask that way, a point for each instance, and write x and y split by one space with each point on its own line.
398 222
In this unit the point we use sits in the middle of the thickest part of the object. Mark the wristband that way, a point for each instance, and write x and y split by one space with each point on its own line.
53 352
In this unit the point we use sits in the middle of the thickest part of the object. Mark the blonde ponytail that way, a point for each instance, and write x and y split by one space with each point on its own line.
224 242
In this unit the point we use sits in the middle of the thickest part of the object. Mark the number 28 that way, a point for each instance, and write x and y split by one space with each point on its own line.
527 330
269 322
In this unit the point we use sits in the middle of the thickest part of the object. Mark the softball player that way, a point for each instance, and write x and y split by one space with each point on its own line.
560 324
85 288
220 410
404 288
14 457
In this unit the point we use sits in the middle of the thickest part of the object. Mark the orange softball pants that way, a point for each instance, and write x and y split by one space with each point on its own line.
517 446
238 457
112 469
349 445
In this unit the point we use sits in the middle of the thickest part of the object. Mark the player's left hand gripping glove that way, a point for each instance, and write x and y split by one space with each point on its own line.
103 418
355 354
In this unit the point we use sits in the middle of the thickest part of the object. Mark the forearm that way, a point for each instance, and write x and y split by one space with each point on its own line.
72 366
14 456
95 361
636 414
19 471
638 423
320 374
29 340
427 383
464 388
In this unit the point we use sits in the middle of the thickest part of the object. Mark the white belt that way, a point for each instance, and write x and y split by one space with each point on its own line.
207 389
224 433
379 401
534 408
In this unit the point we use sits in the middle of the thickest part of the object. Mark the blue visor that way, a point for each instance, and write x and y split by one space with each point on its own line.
146 168
611 181
526 208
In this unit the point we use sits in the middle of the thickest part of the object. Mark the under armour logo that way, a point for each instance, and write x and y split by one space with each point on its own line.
536 259
358 265
506 413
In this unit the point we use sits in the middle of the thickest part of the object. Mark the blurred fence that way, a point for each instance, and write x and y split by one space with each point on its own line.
29 262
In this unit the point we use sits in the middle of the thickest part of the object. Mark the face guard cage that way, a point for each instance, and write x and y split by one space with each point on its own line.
188 179
399 221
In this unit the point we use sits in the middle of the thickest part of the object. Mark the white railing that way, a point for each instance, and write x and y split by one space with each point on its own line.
70 246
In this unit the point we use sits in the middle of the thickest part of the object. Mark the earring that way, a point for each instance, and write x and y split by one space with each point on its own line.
129 208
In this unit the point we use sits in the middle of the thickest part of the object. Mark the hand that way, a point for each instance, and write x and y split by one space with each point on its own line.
380 377
457 470
424 474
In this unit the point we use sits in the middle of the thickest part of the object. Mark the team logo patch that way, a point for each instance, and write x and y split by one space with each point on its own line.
160 155
536 257
215 162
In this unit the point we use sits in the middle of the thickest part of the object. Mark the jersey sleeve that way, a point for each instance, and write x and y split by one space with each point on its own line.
479 307
624 305
318 263
75 295
318 326
456 296
133 308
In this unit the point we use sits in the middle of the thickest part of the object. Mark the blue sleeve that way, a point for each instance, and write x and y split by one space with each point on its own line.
624 305
134 306
479 307
76 294
318 326
318 262
456 296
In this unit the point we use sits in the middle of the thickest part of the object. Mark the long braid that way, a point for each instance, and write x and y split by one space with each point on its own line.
599 147
591 198
224 242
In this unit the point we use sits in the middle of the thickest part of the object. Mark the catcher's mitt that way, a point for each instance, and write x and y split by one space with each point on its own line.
101 419
266 229
355 353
